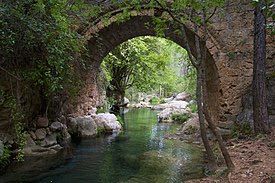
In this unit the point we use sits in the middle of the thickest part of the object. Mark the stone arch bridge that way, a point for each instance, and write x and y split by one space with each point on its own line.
229 54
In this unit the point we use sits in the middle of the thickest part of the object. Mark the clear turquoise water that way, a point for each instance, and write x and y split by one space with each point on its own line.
139 154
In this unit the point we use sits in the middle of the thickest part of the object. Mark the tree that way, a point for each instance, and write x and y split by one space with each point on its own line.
260 112
135 63
199 18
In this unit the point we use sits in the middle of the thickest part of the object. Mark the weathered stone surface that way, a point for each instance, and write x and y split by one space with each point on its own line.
42 122
172 104
191 126
83 126
141 105
40 133
183 96
109 121
29 141
126 101
32 134
56 126
166 114
50 140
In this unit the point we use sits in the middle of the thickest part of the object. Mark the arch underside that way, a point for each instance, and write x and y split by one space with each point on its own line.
111 36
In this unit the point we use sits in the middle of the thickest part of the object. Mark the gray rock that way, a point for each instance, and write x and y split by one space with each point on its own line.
109 122
1 148
166 114
42 122
183 97
56 147
32 134
50 140
92 110
63 119
126 101
172 104
83 126
56 126
48 131
29 141
40 133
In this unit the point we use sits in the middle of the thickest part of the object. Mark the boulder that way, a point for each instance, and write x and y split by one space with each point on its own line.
126 101
109 122
56 126
40 133
42 122
29 141
166 114
32 134
1 148
168 99
172 104
50 140
183 97
191 126
92 110
83 126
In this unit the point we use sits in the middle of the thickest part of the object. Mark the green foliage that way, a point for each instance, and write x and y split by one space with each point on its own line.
242 130
193 107
100 110
180 118
162 101
39 44
17 119
268 8
154 100
151 65
120 119
5 158
231 55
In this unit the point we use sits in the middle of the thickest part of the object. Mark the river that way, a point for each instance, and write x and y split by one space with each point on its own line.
141 153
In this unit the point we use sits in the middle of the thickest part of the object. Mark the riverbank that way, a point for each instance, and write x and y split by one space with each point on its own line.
254 161
254 158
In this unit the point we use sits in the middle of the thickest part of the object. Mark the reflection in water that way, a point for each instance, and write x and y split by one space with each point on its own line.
139 154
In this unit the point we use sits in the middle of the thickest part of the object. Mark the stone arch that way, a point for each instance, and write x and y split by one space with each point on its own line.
104 37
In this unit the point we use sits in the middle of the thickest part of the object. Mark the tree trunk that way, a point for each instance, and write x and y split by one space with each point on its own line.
260 113
203 132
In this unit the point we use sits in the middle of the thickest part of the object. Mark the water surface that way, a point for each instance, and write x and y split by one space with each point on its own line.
139 154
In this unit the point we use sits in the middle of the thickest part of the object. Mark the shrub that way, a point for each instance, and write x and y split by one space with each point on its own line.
162 101
5 158
180 118
154 100
120 119
193 107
